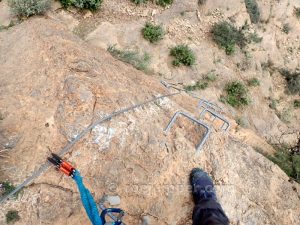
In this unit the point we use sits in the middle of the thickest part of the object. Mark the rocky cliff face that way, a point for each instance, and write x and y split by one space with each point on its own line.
53 84
190 23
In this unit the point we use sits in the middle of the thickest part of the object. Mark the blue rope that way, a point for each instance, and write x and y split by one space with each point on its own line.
87 200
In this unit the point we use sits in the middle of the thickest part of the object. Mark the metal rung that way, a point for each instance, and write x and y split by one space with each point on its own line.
216 115
207 104
207 128
166 84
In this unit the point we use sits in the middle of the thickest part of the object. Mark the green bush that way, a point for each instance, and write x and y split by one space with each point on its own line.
282 159
253 10
228 36
253 82
183 55
139 1
297 12
164 3
286 28
82 4
293 81
211 76
201 2
273 103
254 37
6 187
288 161
297 103
12 216
269 65
153 33
286 115
243 122
140 62
200 85
27 8
203 83
237 94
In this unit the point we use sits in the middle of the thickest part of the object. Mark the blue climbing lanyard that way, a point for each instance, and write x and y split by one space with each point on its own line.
87 200
86 197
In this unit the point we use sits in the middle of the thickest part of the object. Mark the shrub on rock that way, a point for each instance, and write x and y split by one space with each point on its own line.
27 8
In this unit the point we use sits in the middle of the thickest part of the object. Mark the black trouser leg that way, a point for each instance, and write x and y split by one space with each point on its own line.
209 212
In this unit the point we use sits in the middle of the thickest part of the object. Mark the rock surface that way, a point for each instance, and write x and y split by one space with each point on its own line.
5 13
53 85
186 22
113 200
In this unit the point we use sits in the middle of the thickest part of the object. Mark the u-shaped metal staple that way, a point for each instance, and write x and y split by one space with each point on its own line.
207 128
216 115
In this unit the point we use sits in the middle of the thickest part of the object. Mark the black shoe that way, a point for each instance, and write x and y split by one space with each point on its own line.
202 186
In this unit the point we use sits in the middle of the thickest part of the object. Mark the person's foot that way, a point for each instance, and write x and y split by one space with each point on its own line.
202 186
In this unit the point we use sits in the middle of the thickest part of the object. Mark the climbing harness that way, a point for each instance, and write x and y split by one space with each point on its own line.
86 197
44 167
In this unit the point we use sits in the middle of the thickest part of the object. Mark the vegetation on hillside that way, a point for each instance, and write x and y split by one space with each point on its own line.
200 85
139 1
27 8
140 62
243 122
273 103
253 10
286 28
183 56
12 216
82 4
254 38
203 83
6 187
293 81
201 2
153 33
227 36
297 103
288 160
237 94
164 3
253 82
285 115
297 12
